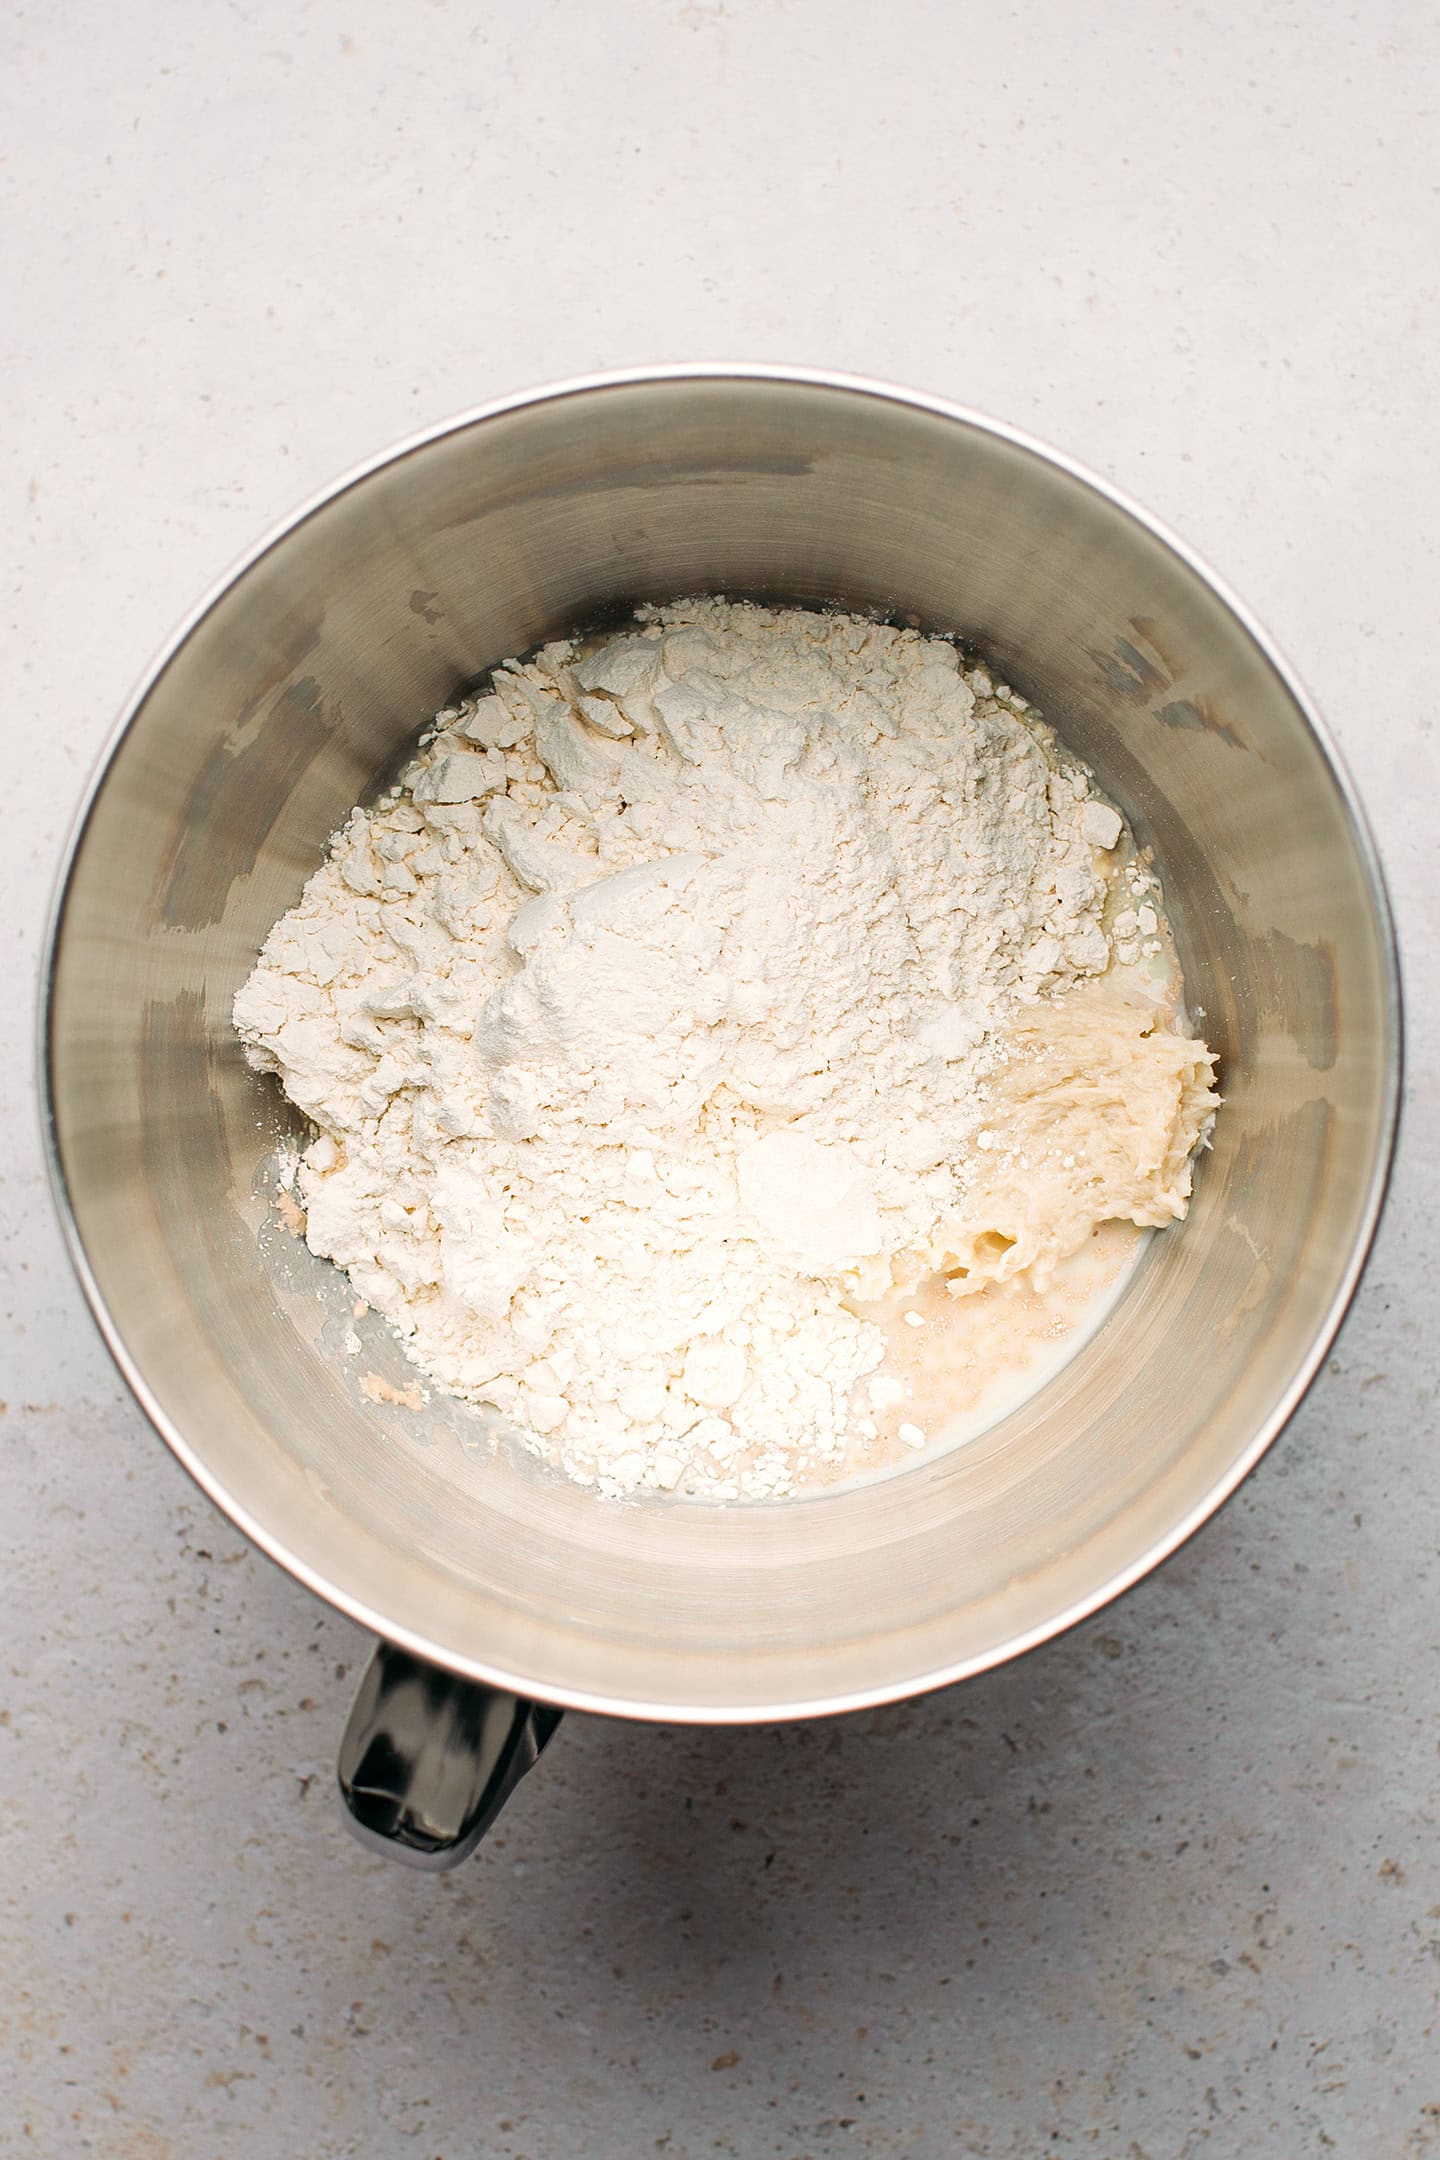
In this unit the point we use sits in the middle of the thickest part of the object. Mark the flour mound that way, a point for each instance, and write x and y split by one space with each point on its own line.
657 1018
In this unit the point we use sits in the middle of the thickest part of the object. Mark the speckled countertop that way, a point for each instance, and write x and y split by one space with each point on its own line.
1170 1886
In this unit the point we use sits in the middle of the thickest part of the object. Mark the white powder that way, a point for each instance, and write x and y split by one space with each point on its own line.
666 1010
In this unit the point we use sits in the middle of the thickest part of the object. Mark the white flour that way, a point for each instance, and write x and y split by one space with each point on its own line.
670 1007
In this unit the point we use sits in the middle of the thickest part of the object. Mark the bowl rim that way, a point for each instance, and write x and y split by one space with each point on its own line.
414 1639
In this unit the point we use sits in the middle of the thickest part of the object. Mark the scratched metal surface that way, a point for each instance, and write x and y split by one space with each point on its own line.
1169 1886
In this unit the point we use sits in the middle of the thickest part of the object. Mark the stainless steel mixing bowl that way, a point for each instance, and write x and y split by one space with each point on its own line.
294 689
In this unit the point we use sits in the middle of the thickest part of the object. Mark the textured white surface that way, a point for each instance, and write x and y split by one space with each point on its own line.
1168 1887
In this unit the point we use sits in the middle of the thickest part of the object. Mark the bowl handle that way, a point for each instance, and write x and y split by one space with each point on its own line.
429 1759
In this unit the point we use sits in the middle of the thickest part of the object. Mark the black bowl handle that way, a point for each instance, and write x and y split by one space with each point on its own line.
429 1759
